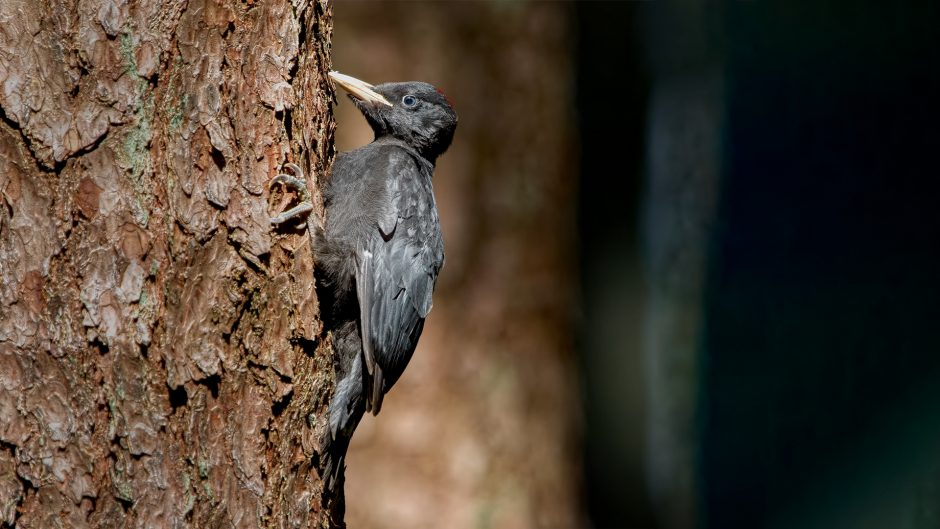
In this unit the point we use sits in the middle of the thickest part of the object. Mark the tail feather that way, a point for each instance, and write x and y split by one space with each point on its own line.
334 467
347 406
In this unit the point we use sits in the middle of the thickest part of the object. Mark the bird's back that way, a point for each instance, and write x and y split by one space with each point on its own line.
381 199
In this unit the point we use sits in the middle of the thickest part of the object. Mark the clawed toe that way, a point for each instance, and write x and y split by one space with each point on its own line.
297 183
294 168
303 208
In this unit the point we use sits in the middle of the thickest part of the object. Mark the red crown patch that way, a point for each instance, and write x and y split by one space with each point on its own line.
449 102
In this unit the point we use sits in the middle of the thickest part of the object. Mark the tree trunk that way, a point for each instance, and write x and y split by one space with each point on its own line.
160 354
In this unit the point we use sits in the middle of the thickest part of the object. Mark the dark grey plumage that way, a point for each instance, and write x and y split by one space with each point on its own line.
380 251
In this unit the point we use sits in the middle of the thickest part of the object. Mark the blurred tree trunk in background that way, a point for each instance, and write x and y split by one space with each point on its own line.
481 429
157 363
684 167
650 178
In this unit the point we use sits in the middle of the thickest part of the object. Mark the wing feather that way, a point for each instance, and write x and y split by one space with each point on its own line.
364 289
398 267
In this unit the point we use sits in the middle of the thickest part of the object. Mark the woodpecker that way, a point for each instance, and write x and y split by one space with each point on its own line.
380 250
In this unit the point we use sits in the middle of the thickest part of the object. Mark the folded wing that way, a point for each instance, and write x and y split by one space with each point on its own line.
396 272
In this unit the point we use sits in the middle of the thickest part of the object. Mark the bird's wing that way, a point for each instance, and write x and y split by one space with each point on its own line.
398 266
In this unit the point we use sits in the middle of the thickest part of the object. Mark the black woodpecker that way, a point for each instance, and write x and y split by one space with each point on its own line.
380 251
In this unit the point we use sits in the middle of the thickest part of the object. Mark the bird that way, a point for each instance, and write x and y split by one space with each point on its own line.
380 250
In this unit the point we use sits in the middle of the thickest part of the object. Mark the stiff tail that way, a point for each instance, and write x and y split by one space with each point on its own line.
334 466
348 403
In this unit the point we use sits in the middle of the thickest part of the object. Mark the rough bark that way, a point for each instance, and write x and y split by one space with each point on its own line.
160 360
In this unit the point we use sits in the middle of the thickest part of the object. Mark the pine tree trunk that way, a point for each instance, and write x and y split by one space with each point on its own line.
160 354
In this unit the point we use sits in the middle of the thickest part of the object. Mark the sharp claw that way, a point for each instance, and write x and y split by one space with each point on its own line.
297 184
296 211
295 180
294 168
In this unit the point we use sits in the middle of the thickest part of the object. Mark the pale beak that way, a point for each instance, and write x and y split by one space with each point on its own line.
360 89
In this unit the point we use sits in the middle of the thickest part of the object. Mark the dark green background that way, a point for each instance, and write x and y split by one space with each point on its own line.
819 358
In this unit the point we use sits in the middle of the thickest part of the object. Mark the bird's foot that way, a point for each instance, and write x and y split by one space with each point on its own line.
302 209
297 183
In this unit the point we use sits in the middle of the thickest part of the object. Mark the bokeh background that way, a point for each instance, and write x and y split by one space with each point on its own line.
692 272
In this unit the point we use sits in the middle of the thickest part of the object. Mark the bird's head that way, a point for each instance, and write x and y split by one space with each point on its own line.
414 112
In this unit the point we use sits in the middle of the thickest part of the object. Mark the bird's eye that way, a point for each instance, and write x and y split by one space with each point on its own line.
409 100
